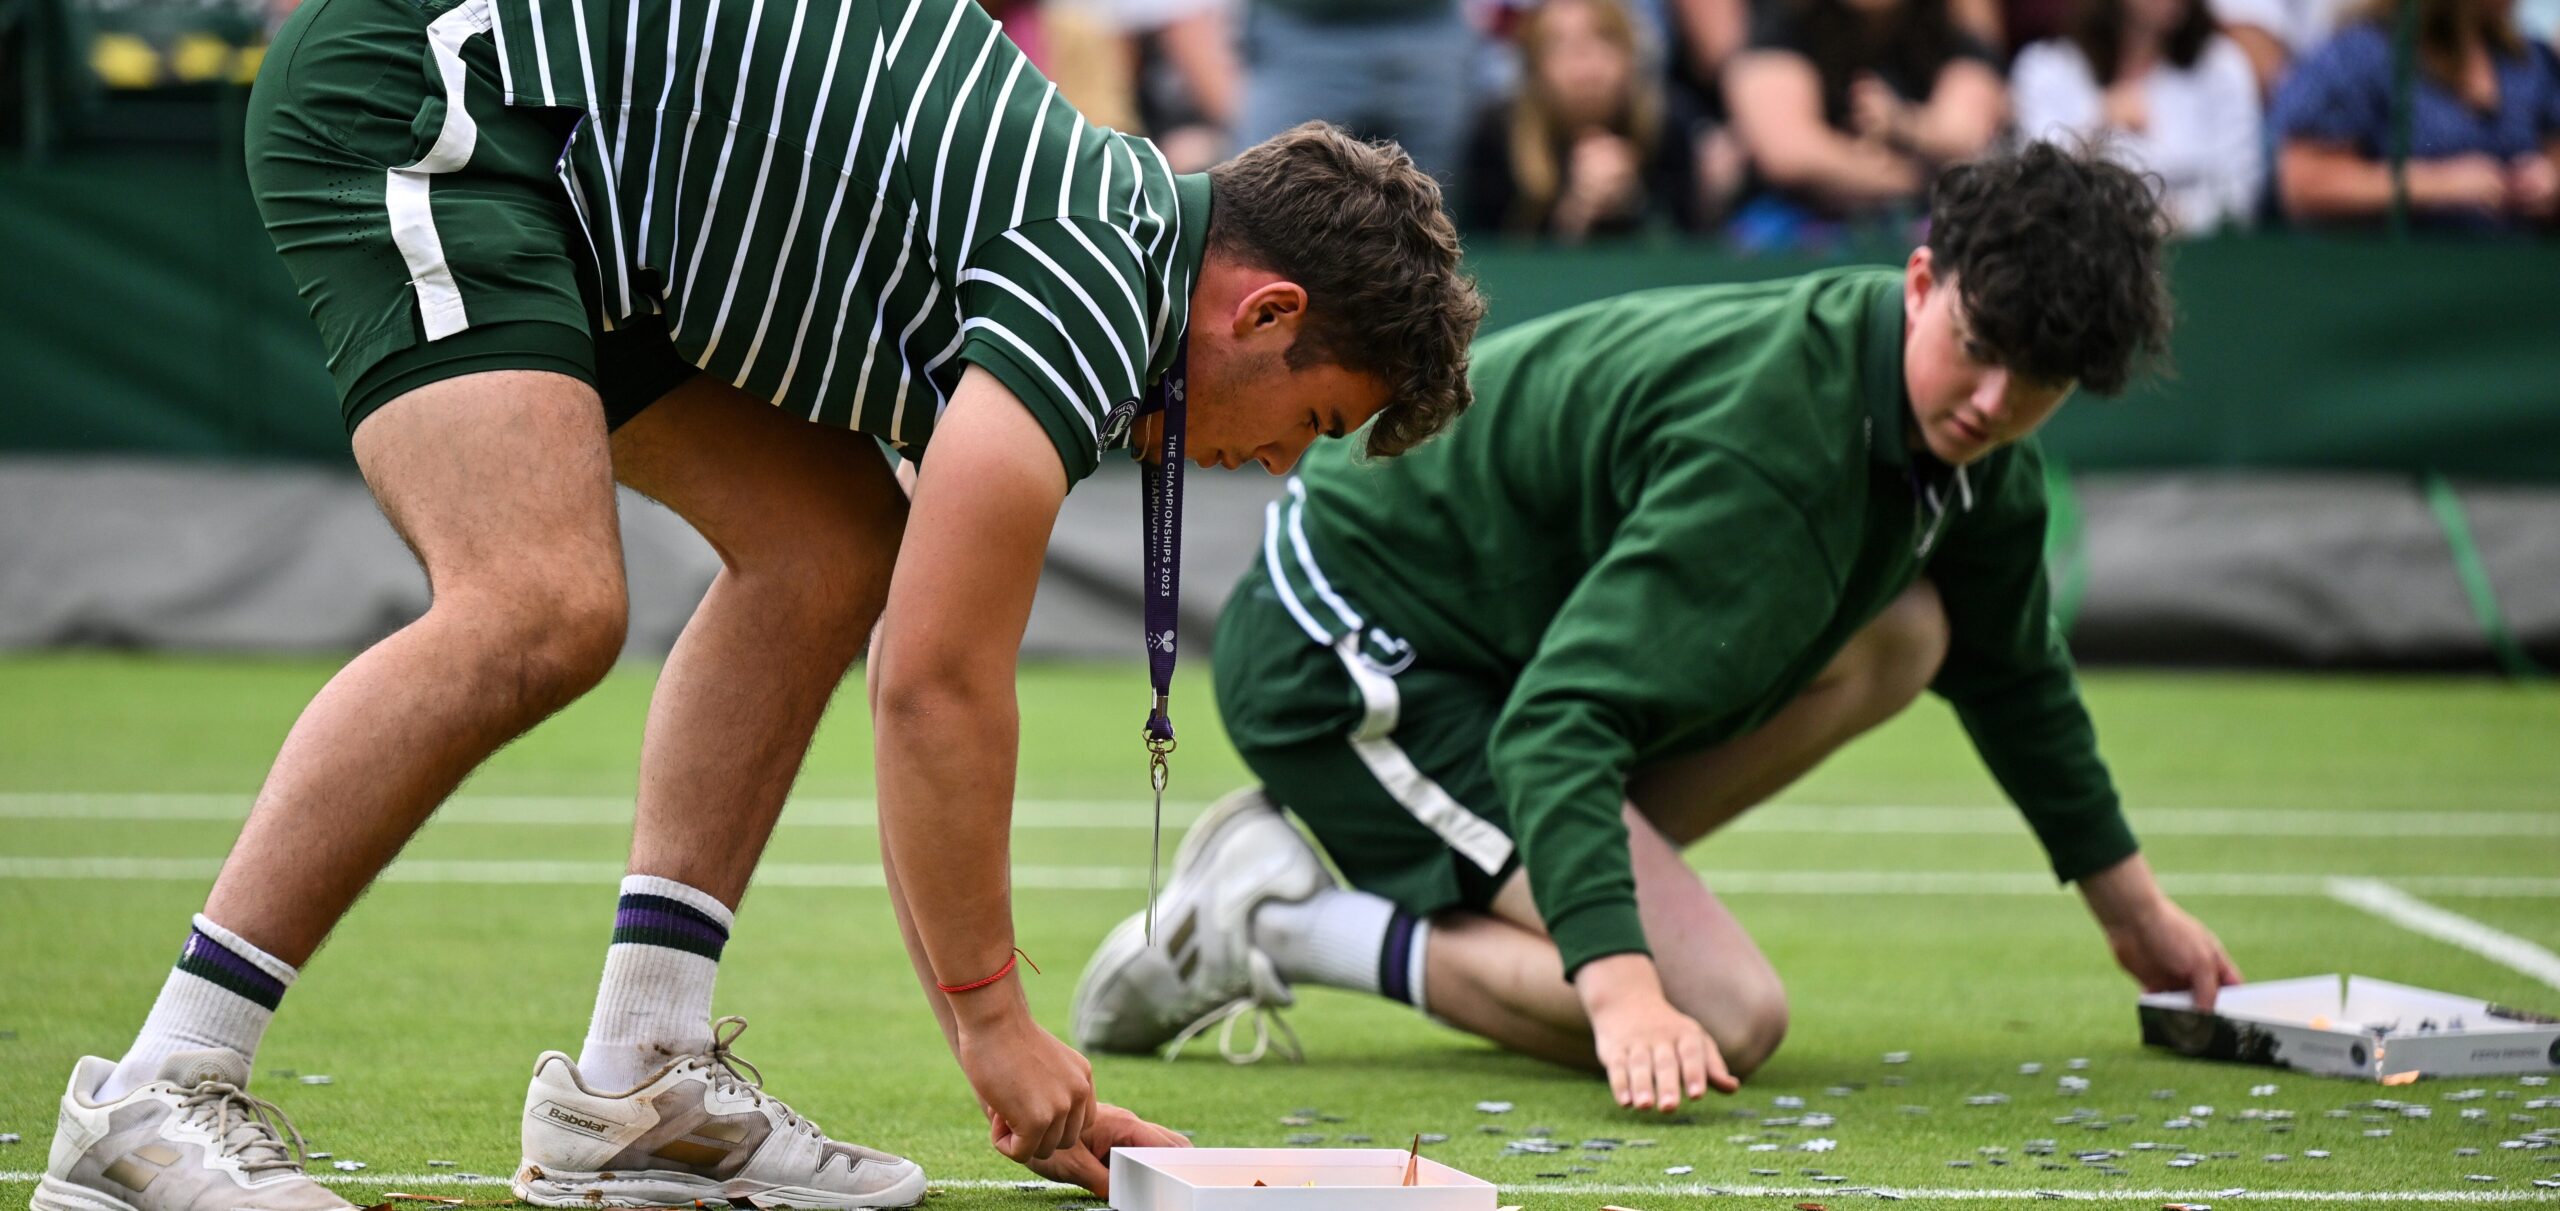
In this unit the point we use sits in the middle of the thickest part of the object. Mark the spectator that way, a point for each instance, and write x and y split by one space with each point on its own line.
1394 69
2484 122
2274 33
1584 149
1167 67
1848 106
2166 92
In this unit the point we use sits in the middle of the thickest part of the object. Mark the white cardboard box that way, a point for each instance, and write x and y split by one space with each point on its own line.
1346 1179
2354 1026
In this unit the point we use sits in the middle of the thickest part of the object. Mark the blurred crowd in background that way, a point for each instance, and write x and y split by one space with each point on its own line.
1797 124
1769 125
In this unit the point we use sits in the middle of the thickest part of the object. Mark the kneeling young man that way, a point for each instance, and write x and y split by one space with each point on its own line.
1692 541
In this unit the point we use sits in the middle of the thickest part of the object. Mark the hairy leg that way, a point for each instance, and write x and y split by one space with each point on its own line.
501 485
806 520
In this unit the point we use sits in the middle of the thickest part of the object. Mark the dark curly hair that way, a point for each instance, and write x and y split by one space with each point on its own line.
1364 231
2057 254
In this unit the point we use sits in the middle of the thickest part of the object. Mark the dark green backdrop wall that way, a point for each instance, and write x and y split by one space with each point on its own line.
142 311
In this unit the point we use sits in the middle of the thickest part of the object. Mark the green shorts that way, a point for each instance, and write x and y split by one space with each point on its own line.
425 221
1382 757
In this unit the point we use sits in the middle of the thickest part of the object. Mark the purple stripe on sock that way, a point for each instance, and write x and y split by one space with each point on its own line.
643 918
1395 959
205 951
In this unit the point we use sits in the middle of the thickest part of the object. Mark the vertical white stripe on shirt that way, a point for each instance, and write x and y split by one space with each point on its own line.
658 126
542 56
827 225
942 154
611 157
692 119
800 196
871 347
729 143
755 192
1067 173
1039 120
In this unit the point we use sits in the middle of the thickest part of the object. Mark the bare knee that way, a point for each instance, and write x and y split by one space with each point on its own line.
1753 1024
1743 1008
539 647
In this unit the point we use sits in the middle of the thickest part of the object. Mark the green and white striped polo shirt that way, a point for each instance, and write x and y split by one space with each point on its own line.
837 204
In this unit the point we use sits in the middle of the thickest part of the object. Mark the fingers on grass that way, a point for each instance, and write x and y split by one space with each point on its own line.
1666 1076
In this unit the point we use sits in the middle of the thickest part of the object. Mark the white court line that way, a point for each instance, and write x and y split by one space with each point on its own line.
2411 913
1915 1194
1776 820
521 871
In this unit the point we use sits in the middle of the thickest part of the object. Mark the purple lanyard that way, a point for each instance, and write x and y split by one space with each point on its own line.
1161 489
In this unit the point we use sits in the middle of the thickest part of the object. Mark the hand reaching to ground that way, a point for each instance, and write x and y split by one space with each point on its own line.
1654 1053
2156 941
1087 1162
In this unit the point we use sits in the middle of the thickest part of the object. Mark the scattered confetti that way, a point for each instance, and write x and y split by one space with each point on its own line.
346 1166
1680 1170
2262 1091
1818 1145
1494 1107
318 1079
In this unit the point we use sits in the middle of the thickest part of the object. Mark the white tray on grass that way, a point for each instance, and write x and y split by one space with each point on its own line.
1343 1179
2357 1027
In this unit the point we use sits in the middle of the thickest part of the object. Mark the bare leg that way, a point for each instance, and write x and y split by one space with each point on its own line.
1500 977
500 484
806 520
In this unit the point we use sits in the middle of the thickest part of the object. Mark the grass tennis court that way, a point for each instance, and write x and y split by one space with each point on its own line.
1908 910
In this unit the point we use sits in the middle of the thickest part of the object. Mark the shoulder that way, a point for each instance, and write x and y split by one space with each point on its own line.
2223 60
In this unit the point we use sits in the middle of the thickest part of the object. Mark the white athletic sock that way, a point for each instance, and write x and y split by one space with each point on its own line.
1341 938
222 993
655 1004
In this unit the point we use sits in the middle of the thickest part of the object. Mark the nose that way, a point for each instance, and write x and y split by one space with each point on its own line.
1280 459
1991 395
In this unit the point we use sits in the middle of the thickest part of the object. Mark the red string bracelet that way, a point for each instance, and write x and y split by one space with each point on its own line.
1001 973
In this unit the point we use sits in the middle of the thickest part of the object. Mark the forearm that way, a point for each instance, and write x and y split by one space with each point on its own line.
946 754
1963 114
2325 186
1849 174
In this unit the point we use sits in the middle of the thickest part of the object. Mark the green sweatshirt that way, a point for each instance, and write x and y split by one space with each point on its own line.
1664 516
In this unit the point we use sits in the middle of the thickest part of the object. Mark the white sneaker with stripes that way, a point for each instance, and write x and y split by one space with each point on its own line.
702 1132
193 1140
1202 969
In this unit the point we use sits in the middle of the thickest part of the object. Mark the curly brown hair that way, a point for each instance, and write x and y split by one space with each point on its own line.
1364 231
2057 255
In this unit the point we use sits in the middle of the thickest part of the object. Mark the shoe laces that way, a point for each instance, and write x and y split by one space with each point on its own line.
247 1129
730 1071
1260 1005
1226 1017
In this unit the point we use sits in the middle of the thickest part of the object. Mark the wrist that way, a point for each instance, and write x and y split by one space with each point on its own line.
1614 982
2122 894
993 1007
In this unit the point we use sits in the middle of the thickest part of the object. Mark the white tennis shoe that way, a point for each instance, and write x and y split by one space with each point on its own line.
700 1132
193 1140
1203 969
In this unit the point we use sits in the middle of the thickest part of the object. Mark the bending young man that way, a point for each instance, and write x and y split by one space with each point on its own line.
722 255
1690 542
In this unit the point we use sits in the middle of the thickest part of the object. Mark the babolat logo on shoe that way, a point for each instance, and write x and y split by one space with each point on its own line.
583 1124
